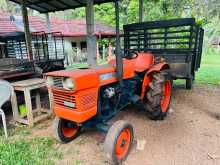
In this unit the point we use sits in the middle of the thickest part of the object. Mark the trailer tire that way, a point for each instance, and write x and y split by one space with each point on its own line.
189 83
158 97
118 141
65 131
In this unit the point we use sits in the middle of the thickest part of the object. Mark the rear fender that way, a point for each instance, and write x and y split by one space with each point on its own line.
148 76
158 68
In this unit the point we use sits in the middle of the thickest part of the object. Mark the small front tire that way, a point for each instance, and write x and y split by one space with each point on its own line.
64 130
118 141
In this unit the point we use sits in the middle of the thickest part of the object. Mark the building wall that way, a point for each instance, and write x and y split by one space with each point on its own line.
73 49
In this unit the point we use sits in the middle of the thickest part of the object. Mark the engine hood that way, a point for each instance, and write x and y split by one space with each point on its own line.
83 78
94 76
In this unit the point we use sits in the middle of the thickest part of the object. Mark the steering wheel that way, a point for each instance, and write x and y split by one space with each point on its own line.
132 54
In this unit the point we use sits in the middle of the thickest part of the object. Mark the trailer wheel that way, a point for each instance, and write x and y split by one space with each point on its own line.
158 96
189 83
64 130
118 141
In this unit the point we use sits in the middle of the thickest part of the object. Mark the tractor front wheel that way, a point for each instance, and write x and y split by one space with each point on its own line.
118 141
64 130
158 96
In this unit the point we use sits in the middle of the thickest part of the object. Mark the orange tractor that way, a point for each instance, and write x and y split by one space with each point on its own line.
91 97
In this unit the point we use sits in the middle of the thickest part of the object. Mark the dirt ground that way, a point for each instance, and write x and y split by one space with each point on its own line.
190 135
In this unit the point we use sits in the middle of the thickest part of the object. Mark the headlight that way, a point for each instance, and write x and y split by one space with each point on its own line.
49 81
68 84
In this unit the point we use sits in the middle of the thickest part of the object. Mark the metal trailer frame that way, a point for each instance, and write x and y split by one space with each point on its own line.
16 63
53 57
178 41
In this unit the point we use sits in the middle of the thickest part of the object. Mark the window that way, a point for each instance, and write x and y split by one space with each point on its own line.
73 45
83 45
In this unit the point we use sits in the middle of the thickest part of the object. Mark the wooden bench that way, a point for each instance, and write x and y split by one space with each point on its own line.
39 113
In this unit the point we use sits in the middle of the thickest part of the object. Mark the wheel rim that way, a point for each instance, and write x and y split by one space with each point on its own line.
165 100
68 130
122 144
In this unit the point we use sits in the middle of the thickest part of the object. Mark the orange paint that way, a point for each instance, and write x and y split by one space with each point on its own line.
73 115
122 144
69 132
165 101
145 84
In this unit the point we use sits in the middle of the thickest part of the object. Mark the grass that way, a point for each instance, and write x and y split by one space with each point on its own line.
209 72
21 149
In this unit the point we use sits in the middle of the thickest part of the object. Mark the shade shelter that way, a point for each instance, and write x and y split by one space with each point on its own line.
46 6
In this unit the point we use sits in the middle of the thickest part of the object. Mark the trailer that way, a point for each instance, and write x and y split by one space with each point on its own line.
178 41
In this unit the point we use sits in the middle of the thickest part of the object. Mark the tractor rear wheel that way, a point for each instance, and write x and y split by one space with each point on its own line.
158 96
118 141
64 130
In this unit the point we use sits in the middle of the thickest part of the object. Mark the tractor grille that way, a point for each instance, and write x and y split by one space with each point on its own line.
88 101
58 82
64 100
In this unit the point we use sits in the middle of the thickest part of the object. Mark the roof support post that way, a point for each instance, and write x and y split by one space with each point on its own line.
119 61
140 10
27 30
50 39
48 22
91 38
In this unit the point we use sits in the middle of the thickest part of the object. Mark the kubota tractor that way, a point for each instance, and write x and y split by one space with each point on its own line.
90 97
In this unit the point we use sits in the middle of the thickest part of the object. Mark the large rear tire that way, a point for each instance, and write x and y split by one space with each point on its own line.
158 96
64 130
118 141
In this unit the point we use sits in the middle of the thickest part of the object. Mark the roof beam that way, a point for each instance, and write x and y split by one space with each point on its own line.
78 1
63 3
51 4
36 2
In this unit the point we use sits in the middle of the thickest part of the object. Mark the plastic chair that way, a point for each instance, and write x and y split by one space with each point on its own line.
5 94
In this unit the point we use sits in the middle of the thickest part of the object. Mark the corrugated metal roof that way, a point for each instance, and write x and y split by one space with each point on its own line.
45 6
